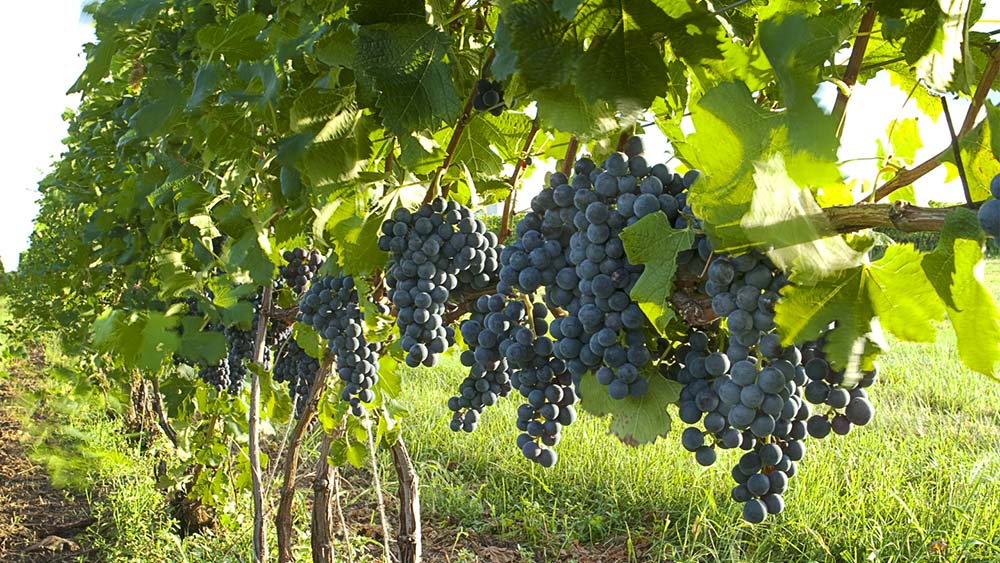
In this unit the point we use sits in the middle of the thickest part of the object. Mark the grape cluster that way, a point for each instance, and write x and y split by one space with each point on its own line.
604 329
331 307
845 402
240 349
545 383
435 252
241 346
488 97
298 369
537 257
750 395
216 375
484 331
301 266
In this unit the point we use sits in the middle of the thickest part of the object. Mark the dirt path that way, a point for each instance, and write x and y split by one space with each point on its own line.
37 521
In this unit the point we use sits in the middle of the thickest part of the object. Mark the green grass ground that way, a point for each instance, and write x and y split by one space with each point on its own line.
920 483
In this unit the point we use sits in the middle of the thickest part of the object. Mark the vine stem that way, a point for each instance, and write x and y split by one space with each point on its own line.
456 136
515 178
161 416
325 489
321 538
379 496
623 140
283 520
853 68
570 158
908 176
957 151
410 538
259 531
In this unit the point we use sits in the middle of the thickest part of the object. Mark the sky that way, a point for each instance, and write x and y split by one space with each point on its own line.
41 40
52 32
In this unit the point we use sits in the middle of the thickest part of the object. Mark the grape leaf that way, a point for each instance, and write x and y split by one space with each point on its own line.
950 45
798 46
955 269
236 41
903 297
490 140
388 11
905 139
725 116
609 49
786 220
893 289
142 339
505 62
652 242
619 50
635 421
99 58
562 109
200 345
404 65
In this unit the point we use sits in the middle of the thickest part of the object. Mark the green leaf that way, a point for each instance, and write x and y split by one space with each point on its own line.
620 33
902 296
328 114
388 11
786 220
250 253
615 51
390 379
978 156
154 115
906 140
653 243
235 41
404 65
336 47
893 289
798 46
950 45
199 345
207 81
99 59
725 116
545 44
635 421
142 340
562 109
490 141
955 269
505 62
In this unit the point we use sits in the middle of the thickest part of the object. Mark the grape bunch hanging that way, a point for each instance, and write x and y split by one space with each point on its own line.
488 97
437 253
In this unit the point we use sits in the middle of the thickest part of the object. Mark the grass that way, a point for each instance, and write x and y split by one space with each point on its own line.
921 483
87 452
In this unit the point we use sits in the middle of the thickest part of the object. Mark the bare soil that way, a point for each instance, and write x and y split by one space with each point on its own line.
37 521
